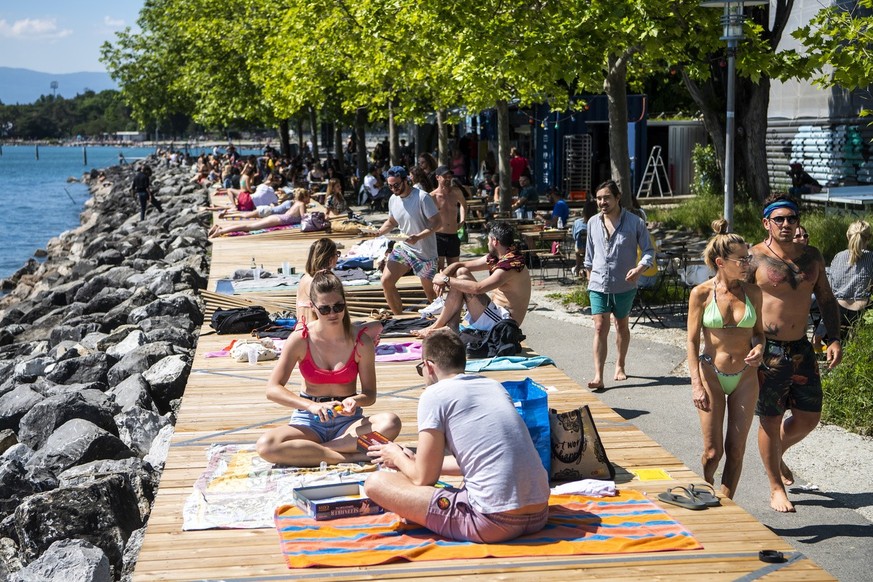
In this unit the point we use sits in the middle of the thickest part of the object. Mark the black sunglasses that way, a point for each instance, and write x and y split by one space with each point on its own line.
336 308
801 236
395 185
780 220
419 367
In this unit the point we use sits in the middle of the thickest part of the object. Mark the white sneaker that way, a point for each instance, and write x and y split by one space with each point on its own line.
434 308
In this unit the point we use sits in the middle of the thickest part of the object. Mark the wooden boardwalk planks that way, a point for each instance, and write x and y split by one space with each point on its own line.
224 403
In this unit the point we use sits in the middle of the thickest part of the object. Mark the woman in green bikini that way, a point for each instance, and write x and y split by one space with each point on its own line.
724 373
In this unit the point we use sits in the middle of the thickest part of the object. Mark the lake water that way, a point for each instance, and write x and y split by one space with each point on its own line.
36 202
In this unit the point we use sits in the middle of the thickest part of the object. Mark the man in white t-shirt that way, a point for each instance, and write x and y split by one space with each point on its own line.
506 488
372 185
265 195
418 217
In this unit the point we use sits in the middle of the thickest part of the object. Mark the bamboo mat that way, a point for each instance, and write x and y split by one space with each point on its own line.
224 403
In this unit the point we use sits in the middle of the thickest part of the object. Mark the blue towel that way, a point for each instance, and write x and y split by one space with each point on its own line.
365 263
507 363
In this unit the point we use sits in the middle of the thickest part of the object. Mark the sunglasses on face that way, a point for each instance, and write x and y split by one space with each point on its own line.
395 185
419 367
336 308
747 260
780 220
801 236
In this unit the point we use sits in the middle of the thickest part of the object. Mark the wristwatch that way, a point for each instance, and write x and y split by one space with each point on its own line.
446 282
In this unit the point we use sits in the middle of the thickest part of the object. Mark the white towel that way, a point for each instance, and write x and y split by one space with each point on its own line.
589 487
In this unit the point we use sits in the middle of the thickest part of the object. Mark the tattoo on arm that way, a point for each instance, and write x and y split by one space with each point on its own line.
771 330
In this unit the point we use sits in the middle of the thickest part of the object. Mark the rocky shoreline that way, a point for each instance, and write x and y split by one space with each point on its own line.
96 345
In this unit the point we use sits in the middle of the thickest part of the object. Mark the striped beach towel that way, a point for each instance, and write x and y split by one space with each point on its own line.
627 523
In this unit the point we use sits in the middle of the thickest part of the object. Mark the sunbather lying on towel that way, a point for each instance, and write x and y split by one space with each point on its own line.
329 414
506 488
281 215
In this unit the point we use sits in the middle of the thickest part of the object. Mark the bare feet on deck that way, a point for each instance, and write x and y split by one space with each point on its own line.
422 333
779 501
620 374
787 475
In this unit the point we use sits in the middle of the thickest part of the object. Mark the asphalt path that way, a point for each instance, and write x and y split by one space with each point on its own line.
836 537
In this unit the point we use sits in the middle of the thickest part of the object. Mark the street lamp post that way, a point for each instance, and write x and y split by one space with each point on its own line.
732 20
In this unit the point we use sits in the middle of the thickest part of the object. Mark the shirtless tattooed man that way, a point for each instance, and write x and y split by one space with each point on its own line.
788 274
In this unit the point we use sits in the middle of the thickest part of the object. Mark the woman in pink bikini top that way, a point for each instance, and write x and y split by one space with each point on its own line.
332 359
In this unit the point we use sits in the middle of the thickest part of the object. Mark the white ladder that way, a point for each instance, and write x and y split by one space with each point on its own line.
656 173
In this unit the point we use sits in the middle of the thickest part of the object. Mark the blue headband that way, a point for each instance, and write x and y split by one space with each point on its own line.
768 210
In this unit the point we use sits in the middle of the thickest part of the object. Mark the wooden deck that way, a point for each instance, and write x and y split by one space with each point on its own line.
224 403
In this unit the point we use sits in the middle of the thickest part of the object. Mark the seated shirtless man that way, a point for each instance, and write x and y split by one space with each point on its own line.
508 282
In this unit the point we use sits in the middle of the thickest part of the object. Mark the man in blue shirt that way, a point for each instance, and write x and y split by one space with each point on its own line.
614 234
560 216
527 201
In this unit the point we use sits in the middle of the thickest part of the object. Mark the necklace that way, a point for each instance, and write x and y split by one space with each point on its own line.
786 263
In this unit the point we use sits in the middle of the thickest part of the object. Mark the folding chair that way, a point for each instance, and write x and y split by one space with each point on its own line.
648 291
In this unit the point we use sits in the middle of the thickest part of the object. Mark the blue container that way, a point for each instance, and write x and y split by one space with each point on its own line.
532 403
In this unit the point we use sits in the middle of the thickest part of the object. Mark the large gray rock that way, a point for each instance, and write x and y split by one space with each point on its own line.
107 299
118 315
15 404
157 456
133 340
137 428
27 370
104 512
132 391
179 337
73 331
85 369
167 379
14 485
182 322
150 250
37 425
77 442
91 288
173 306
138 361
65 561
141 476
131 553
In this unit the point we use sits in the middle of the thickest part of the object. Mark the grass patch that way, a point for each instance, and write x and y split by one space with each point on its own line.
576 297
848 388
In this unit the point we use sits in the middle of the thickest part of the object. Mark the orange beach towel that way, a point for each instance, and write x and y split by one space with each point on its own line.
626 523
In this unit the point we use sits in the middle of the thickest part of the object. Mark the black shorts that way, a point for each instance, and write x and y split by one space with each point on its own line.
789 378
448 245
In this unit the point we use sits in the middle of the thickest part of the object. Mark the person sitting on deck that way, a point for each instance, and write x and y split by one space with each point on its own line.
329 414
271 216
508 281
506 489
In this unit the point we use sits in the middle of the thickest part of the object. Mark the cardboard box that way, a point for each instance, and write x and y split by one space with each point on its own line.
335 500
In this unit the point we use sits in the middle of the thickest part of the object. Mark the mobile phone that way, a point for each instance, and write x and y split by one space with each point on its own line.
371 438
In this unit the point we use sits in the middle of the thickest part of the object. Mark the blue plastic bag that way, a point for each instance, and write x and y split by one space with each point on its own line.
532 403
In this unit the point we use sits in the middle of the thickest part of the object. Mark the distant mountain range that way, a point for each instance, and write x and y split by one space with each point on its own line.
23 86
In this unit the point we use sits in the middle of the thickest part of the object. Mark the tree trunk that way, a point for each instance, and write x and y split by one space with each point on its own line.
503 168
393 137
713 109
285 137
751 141
361 136
313 128
338 146
443 138
615 87
300 141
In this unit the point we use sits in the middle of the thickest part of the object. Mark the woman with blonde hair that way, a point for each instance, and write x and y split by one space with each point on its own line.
724 381
284 214
851 273
332 360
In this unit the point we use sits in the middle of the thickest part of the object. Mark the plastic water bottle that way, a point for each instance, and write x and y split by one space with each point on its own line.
560 222
256 273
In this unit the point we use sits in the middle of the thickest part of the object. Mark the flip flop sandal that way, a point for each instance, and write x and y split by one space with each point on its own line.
771 556
704 493
687 501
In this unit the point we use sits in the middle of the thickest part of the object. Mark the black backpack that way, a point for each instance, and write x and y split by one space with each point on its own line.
504 339
239 320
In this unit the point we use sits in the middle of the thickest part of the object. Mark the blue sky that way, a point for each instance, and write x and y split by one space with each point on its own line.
61 36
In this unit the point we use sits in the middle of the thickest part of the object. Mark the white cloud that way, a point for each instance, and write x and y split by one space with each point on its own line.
33 29
113 22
